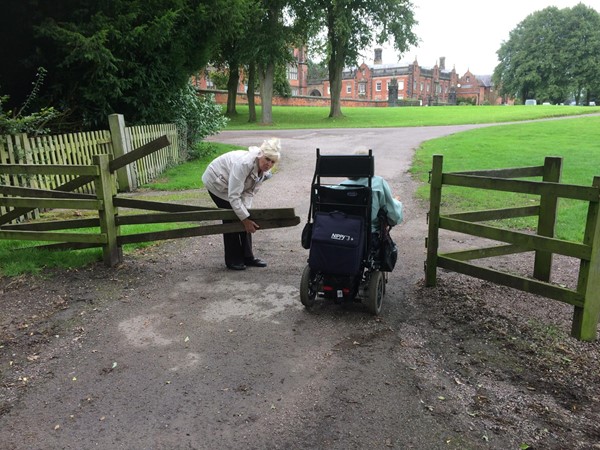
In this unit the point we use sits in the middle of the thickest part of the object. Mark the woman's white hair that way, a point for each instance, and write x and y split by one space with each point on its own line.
271 148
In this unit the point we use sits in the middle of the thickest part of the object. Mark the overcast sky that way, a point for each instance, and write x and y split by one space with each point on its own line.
468 33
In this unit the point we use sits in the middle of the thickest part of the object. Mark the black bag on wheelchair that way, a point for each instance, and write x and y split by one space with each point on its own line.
306 235
388 254
337 243
388 250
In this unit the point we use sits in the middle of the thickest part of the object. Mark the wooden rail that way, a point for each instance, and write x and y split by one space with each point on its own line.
78 149
20 201
585 299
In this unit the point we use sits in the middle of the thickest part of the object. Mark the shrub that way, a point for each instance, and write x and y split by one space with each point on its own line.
18 121
464 101
203 150
198 116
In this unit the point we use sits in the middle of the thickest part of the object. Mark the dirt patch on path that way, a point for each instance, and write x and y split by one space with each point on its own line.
170 350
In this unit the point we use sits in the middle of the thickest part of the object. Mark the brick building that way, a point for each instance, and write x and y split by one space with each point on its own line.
414 84
297 75
478 90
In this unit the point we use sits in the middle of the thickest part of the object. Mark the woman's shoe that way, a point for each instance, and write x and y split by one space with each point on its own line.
255 262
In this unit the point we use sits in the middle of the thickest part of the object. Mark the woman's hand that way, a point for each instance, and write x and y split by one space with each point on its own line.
250 225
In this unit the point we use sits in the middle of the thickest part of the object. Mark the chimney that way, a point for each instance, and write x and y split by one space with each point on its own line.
442 63
377 59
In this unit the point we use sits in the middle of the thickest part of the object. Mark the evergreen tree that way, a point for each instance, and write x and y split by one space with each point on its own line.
132 57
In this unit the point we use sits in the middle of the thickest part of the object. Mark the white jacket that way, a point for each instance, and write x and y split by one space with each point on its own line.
234 177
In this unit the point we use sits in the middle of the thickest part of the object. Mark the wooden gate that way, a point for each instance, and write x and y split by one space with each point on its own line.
101 173
585 298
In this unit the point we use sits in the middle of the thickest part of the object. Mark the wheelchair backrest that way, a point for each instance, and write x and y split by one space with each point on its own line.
353 200
347 166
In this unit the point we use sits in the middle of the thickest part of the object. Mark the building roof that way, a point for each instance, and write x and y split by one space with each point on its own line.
485 80
390 70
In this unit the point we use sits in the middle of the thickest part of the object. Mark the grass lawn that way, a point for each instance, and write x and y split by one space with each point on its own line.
298 117
576 140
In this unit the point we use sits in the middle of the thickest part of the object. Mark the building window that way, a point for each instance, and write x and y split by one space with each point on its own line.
378 86
209 83
378 54
400 96
421 87
294 91
348 89
328 90
401 85
362 89
428 87
292 72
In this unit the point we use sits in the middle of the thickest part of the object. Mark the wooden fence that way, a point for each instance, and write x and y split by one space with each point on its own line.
142 171
80 148
102 173
585 298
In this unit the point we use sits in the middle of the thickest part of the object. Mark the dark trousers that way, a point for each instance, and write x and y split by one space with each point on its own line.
238 246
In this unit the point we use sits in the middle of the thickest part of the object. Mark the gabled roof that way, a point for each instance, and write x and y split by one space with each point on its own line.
485 80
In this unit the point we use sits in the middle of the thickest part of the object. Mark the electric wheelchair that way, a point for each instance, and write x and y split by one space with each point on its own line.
344 259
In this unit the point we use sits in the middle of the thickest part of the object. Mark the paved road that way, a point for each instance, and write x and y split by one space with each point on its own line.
179 353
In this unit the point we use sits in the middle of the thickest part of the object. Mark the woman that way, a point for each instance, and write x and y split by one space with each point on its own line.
232 179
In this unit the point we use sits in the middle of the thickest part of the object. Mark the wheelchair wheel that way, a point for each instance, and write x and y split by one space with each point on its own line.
308 292
375 292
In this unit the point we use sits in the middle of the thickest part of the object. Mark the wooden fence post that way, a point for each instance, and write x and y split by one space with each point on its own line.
542 268
585 320
121 143
435 198
22 144
112 254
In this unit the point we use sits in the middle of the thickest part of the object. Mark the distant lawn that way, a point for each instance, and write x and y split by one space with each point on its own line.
297 117
576 140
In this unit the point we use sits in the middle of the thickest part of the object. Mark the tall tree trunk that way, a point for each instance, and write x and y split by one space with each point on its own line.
335 65
335 86
266 75
251 84
232 86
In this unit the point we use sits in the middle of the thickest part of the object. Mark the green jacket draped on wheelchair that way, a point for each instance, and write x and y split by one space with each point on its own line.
381 198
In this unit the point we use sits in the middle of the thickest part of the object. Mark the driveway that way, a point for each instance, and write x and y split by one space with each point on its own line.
172 351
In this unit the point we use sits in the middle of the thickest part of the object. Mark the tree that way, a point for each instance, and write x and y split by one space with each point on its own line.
351 26
251 91
274 38
262 44
128 56
236 50
317 70
582 45
551 55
